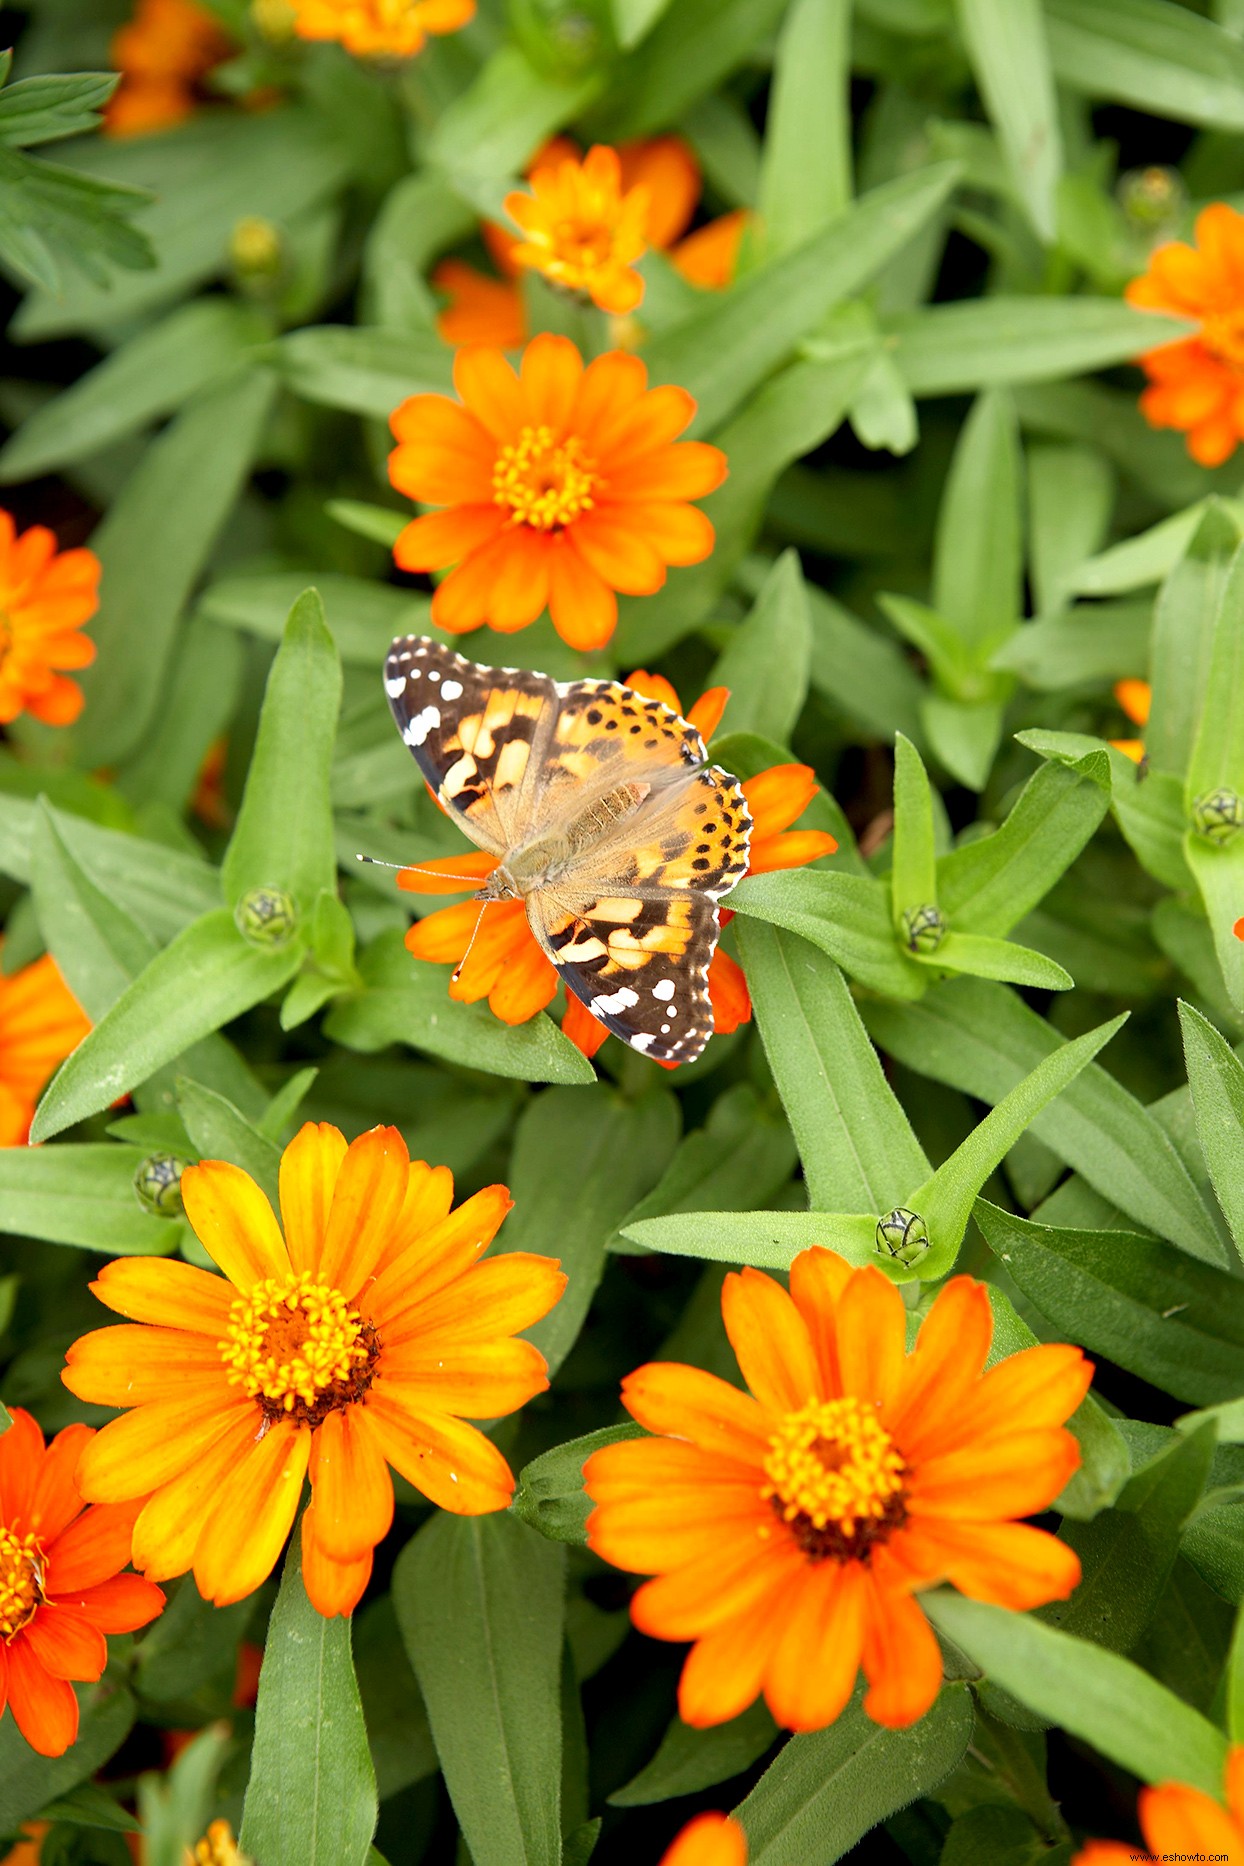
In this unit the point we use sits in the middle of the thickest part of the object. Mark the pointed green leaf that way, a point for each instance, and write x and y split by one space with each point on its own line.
161 888
1216 1079
979 343
1011 64
222 1132
1106 1700
767 660
766 1240
1160 58
989 884
805 175
83 1196
365 371
208 976
846 916
858 1150
740 1158
311 1798
1002 959
29 1781
945 1201
1183 638
825 1791
978 557
913 879
690 1760
1219 872
1218 749
550 1496
480 1603
284 833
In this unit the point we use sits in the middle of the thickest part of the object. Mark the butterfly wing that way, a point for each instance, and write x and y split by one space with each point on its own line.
478 734
632 927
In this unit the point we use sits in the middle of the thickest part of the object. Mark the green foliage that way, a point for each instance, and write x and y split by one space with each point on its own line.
998 1033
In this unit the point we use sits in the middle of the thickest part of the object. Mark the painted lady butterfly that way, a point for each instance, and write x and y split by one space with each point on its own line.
609 824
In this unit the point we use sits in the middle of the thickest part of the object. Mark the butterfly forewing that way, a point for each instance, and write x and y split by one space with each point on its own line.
653 835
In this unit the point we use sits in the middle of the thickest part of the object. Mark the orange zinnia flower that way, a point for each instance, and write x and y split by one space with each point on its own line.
1181 1823
61 1585
1135 698
1197 383
507 966
40 1023
163 55
561 486
380 28
354 1342
708 1840
790 1531
583 230
484 310
45 597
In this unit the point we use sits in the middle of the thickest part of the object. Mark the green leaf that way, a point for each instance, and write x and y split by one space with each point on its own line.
1216 1079
989 884
480 1603
1135 563
690 1760
766 662
695 43
367 371
766 1240
1152 54
1106 1700
490 129
161 888
858 1150
222 1132
377 522
983 343
550 1496
978 556
1235 1682
284 833
405 1001
913 876
825 1791
964 735
740 336
420 216
945 1201
620 1149
1137 1301
83 1196
273 164
1218 748
846 916
398 1732
43 109
984 957
1188 604
633 18
1091 642
862 673
311 1798
1219 872
208 976
1011 64
141 381
152 546
805 176
1128 1552
29 1781
55 221
1071 496
364 617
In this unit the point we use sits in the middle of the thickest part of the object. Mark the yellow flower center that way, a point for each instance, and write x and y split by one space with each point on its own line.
217 1847
21 1581
1222 332
299 1348
836 1476
546 483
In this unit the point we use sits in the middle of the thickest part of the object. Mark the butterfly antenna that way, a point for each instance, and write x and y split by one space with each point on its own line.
468 881
461 965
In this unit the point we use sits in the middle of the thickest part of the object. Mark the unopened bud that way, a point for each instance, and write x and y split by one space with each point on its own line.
266 917
923 928
902 1235
158 1184
1218 814
1152 198
563 38
256 252
274 20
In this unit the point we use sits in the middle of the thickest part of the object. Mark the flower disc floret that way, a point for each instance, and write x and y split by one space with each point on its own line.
21 1581
544 482
296 1343
836 1476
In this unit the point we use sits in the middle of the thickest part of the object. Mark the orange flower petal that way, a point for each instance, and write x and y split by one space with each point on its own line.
520 585
945 1365
902 1658
489 386
586 1032
496 1298
666 167
132 1363
309 1168
770 1341
706 714
1010 1564
550 374
584 609
442 538
44 1708
812 1672
21 1453
1177 1821
55 1499
332 1587
246 1530
447 874
480 310
817 1280
451 1462
1012 1474
724 1670
122 1604
90 1549
351 1486
620 554
141 1451
708 1840
161 1289
1041 1385
778 797
685 470
464 600
66 1644
429 1196
688 1403
478 1380
709 257
442 1255
796 850
728 993
234 1223
367 1203
171 1521
871 1323
704 1593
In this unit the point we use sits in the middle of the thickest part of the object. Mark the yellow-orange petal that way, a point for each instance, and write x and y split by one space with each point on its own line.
549 375
667 168
688 1601
234 1222
132 1363
495 1298
442 538
619 552
44 1708
724 1670
871 1324
708 1840
351 1486
144 1449
583 607
812 1672
1011 1474
679 470
770 1341
1009 1564
245 1532
308 1173
706 714
480 310
686 1402
1178 1821
452 1463
447 874
817 1280
943 1367
332 1587
771 854
777 797
165 1290
901 1657
709 257
476 1380
728 993
1039 1386
367 1202
443 1254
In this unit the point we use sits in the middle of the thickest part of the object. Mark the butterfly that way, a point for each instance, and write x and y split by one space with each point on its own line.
608 822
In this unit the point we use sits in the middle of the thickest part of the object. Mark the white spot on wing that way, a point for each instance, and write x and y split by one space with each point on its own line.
642 1041
621 1000
663 989
422 723
395 686
451 689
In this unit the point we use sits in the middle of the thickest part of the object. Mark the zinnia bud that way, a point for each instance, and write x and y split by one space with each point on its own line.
158 1184
266 917
903 1235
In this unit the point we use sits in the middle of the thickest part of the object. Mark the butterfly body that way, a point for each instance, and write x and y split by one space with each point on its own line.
606 818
